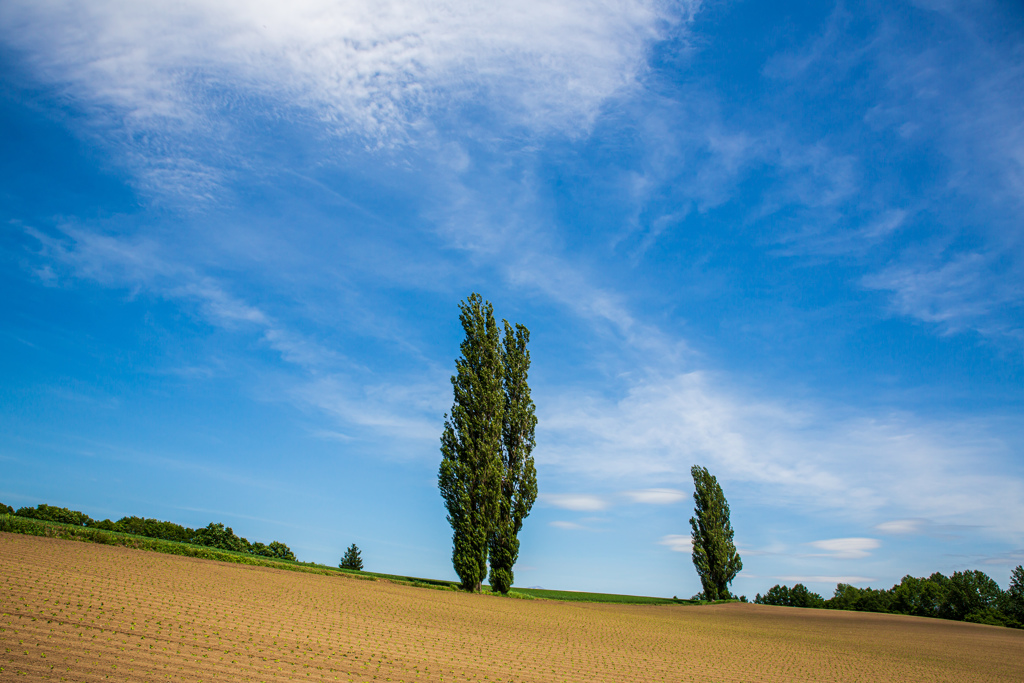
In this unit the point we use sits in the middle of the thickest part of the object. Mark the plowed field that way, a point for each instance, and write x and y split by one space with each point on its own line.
81 612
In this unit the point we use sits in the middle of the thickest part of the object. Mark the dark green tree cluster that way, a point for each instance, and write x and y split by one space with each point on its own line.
214 535
50 513
797 596
487 476
150 528
352 559
276 550
965 596
714 553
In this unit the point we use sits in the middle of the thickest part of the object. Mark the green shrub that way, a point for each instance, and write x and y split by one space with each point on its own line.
216 535
275 549
154 528
51 513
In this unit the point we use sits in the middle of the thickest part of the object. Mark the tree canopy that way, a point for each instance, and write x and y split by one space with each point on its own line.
487 477
470 472
519 476
964 596
714 553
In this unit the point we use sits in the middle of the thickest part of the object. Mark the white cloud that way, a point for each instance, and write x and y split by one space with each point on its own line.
825 579
140 264
566 525
655 496
846 548
372 68
400 412
950 472
331 435
409 410
574 501
901 526
678 543
962 292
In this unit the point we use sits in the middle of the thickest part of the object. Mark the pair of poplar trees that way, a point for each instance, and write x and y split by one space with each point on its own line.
487 476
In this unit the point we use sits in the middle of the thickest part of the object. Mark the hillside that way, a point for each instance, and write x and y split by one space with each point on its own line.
83 611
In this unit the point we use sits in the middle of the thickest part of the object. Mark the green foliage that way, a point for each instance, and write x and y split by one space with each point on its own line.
50 513
353 558
36 527
969 593
993 617
919 597
966 596
470 472
151 528
1013 601
714 553
275 549
518 474
281 551
216 535
6 509
797 596
849 597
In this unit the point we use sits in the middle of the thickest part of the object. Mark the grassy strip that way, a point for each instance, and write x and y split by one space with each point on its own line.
573 596
529 593
440 584
37 527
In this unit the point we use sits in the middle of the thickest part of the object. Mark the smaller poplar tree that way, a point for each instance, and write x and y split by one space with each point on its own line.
518 474
714 553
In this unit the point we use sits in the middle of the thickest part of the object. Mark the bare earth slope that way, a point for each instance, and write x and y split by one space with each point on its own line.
82 612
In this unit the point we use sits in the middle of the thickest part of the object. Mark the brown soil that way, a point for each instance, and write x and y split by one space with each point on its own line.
82 612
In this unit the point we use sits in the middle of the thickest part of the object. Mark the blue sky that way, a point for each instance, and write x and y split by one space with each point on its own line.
779 240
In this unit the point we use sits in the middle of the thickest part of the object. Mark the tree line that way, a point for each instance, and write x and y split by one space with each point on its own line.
965 596
213 535
487 476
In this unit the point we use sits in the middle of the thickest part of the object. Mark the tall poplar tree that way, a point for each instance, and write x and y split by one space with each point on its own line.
714 553
519 477
470 473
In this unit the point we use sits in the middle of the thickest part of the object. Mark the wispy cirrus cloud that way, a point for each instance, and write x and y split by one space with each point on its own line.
654 496
584 502
574 501
846 548
678 543
867 465
137 263
901 526
798 578
326 380
170 79
953 90
967 291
